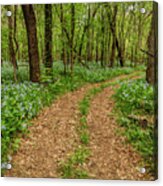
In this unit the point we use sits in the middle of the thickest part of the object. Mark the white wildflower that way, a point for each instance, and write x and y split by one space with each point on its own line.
9 166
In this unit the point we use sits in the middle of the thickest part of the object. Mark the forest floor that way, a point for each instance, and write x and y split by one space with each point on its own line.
54 137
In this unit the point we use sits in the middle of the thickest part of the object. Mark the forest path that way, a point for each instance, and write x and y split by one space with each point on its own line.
53 136
111 157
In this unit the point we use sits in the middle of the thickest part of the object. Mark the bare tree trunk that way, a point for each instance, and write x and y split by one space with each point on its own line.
11 46
48 38
115 39
112 57
151 72
120 53
63 40
97 48
102 38
88 54
72 36
92 45
87 25
112 22
15 30
30 22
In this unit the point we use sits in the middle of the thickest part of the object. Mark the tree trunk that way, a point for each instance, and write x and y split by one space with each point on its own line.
120 53
151 72
112 57
63 40
30 22
48 38
115 39
97 48
15 30
72 36
102 38
11 46
87 25
88 54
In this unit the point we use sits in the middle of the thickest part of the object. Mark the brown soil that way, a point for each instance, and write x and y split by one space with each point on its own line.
111 157
53 136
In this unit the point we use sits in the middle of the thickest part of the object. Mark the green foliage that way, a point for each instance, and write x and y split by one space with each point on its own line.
7 72
20 103
97 74
80 155
136 98
84 106
81 74
71 169
83 121
84 137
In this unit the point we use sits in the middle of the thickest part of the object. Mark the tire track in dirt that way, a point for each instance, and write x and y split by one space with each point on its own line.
111 158
52 137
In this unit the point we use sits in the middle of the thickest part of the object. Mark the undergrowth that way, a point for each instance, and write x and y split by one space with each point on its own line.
72 168
135 112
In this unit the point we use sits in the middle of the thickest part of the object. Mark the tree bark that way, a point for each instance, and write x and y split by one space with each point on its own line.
15 30
112 57
86 26
48 38
102 38
115 39
11 46
63 40
152 42
97 48
88 54
30 22
72 36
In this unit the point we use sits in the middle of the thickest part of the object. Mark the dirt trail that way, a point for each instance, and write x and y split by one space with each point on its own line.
111 157
53 136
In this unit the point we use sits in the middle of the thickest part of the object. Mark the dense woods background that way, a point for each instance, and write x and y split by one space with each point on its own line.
52 49
112 34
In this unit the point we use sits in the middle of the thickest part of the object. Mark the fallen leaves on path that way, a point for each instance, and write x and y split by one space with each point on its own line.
112 158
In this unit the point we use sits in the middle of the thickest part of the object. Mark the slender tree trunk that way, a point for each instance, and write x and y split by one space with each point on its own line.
30 22
97 48
112 22
83 33
48 38
139 41
15 30
11 46
72 36
122 37
108 50
115 39
102 40
63 40
112 57
120 53
92 45
88 53
151 72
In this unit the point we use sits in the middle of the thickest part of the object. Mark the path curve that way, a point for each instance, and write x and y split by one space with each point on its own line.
53 136
111 157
